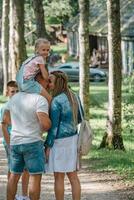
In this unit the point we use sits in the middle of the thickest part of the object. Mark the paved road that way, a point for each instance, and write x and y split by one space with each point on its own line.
92 188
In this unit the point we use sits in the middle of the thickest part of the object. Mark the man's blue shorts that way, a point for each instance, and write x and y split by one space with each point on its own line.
30 156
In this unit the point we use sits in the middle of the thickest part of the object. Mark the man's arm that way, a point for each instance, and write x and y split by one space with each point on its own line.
44 121
5 133
5 123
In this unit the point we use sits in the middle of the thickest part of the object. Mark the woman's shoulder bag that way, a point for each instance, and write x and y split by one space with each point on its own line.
85 133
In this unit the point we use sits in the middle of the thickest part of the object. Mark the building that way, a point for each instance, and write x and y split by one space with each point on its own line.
98 33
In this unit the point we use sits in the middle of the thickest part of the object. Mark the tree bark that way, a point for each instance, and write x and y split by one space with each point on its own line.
114 137
84 54
17 41
5 42
39 18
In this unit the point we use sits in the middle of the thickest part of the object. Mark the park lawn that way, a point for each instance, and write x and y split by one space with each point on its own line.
104 160
60 48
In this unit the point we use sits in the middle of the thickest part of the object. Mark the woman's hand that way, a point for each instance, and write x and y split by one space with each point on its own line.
47 152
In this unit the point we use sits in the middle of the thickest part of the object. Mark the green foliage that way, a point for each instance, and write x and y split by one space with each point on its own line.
1 9
56 12
75 7
53 20
2 99
60 10
128 84
128 103
30 26
128 113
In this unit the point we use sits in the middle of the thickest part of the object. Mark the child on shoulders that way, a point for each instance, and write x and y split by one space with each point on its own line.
32 66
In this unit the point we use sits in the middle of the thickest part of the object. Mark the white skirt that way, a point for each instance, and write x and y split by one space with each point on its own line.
63 155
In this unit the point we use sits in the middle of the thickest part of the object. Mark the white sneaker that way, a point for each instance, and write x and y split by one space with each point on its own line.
18 197
25 198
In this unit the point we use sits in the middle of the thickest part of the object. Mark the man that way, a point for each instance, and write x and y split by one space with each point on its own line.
12 88
29 118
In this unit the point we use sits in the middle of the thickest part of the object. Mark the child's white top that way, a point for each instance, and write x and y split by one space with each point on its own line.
31 69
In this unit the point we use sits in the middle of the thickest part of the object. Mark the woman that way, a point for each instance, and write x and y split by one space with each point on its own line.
61 142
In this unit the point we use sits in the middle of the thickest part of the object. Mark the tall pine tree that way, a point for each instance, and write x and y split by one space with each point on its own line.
113 136
84 54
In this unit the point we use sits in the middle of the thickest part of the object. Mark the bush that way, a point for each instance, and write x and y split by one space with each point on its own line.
128 102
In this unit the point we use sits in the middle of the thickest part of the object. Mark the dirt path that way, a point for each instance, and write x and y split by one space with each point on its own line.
95 186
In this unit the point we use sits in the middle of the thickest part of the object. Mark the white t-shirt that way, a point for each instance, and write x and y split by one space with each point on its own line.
23 109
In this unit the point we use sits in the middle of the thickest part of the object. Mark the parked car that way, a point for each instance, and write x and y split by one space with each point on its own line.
72 71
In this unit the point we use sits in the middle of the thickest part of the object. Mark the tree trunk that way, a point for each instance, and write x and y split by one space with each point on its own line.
84 54
39 18
17 41
113 136
5 42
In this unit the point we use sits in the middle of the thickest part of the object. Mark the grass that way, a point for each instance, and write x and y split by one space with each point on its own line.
116 161
61 48
105 160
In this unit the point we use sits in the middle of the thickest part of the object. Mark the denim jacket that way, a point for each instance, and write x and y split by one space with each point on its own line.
62 120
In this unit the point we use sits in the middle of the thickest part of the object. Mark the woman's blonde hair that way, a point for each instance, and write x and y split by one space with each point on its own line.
61 85
40 41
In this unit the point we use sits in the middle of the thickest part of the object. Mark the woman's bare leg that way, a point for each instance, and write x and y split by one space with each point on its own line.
59 185
75 185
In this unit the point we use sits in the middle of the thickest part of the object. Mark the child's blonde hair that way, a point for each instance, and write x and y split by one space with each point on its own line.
40 41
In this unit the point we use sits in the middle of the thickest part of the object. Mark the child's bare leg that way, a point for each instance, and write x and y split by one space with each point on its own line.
45 94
